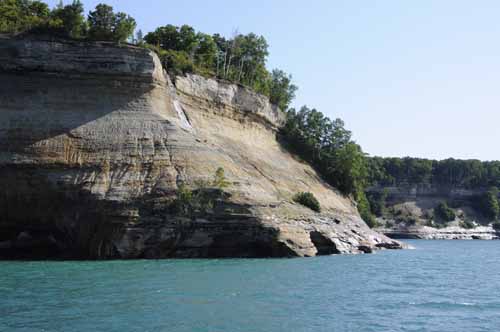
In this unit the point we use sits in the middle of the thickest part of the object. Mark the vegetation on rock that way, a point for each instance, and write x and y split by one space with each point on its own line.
329 148
308 200
377 202
104 24
240 59
66 21
200 200
444 213
468 174
489 204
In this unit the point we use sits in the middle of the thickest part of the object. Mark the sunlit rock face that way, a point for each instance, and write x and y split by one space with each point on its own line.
410 210
95 140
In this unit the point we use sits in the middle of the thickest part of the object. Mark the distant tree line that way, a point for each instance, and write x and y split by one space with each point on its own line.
467 174
67 21
454 173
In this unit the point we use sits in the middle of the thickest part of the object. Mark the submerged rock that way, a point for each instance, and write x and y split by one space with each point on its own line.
95 141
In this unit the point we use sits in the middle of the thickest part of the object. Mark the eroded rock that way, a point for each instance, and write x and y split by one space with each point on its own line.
95 140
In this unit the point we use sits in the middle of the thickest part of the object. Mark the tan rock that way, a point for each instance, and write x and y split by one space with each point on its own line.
95 139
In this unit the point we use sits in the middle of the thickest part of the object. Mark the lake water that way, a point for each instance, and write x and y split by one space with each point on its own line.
440 286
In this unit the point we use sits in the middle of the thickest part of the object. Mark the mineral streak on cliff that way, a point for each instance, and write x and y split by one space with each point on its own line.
95 140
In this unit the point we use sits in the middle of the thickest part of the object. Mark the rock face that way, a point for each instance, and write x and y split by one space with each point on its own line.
410 211
95 141
448 233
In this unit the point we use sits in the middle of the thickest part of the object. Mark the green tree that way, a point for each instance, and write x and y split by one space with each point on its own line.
490 205
22 15
444 213
68 21
123 27
205 51
187 40
281 89
166 38
174 38
378 202
364 209
241 59
101 22
328 147
105 25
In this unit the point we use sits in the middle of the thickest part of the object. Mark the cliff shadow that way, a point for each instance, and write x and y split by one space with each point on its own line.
36 107
43 220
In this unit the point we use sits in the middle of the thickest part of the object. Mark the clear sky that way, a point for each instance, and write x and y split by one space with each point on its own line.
418 78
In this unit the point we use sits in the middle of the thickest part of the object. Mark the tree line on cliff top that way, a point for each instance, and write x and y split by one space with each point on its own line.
241 59
65 20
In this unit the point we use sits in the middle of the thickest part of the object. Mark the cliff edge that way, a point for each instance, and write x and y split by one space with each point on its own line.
96 139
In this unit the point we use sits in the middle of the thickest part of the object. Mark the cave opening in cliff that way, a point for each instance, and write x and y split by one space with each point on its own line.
323 244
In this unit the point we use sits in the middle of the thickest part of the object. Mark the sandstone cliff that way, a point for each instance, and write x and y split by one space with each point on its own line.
409 213
95 139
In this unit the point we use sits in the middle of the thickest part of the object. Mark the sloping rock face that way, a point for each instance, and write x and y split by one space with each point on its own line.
95 141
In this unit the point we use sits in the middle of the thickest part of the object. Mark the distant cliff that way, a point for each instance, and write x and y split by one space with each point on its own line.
409 211
96 142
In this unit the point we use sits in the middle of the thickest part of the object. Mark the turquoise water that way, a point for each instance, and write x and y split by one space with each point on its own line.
440 286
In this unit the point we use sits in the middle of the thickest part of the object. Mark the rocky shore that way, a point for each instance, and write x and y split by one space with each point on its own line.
96 140
447 233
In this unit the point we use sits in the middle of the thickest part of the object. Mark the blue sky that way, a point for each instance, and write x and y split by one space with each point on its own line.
418 78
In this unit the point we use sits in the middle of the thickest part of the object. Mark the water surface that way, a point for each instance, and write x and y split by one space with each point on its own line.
440 286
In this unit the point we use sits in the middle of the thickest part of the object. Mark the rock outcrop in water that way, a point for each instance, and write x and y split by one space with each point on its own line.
95 140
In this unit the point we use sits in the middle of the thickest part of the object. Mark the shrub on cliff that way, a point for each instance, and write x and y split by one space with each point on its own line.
489 204
444 213
220 182
308 200
201 199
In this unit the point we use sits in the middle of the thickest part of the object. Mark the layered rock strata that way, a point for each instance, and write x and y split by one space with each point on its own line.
95 141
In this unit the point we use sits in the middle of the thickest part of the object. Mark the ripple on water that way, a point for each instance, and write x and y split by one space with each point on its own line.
440 286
